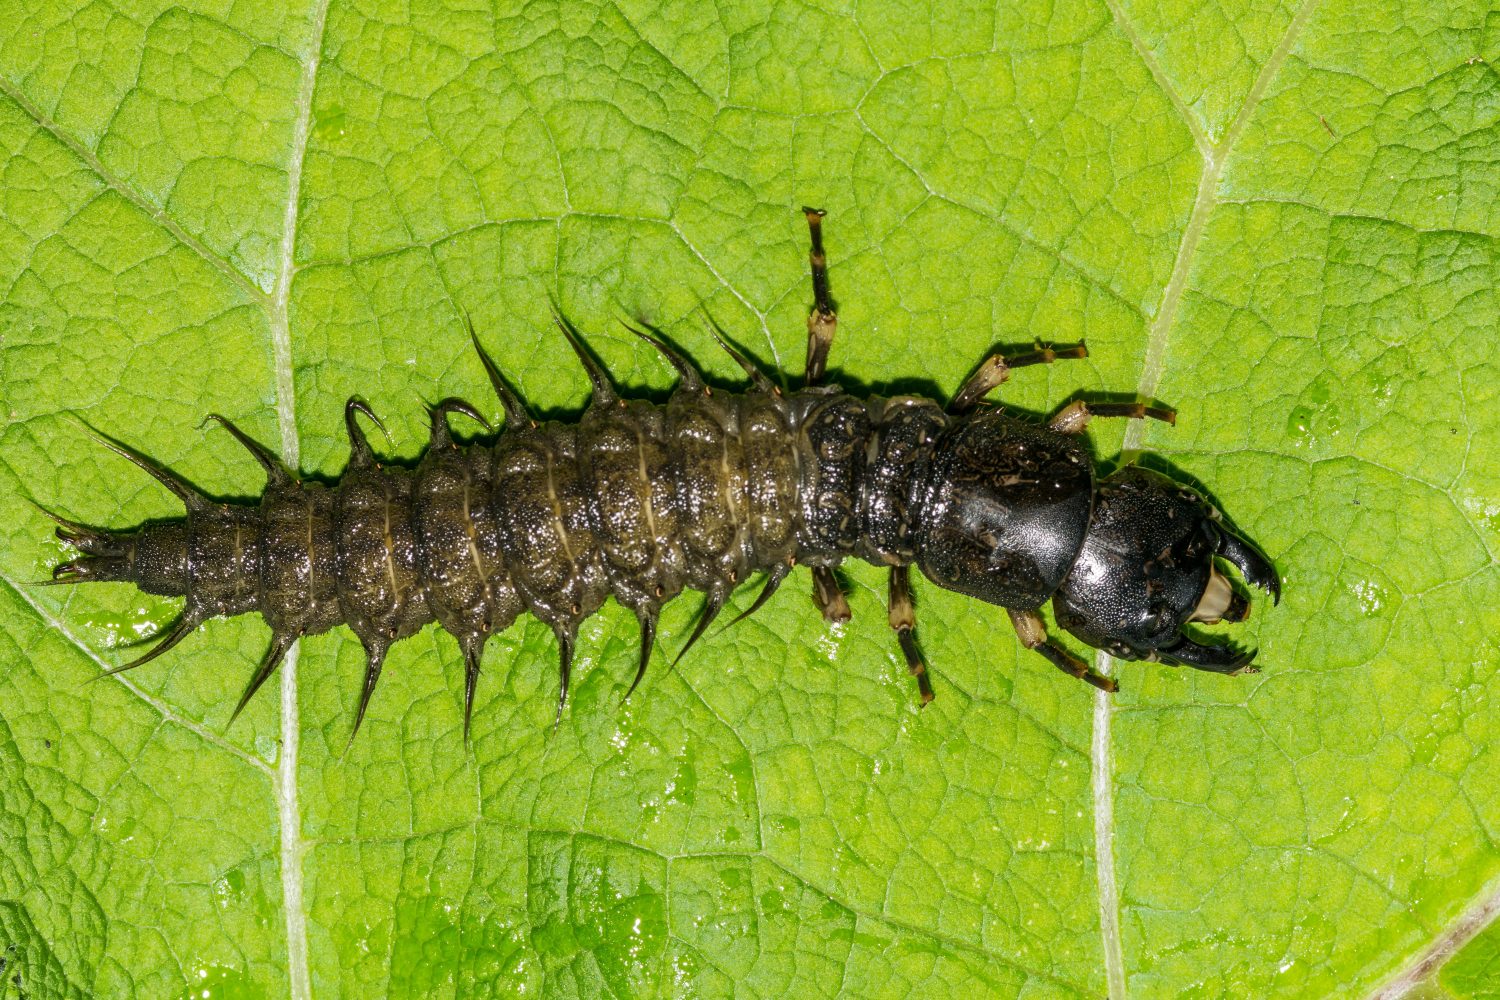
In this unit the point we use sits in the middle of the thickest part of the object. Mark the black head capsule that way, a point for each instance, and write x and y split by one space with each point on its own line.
1147 568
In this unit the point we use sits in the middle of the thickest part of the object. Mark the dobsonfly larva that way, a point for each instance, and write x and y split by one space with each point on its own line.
640 501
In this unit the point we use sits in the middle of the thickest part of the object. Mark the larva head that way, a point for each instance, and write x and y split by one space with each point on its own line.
1147 568
1007 510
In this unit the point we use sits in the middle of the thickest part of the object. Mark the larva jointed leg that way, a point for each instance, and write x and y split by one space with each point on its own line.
639 501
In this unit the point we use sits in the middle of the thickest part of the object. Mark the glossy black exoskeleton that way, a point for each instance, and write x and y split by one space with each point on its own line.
1013 515
1146 568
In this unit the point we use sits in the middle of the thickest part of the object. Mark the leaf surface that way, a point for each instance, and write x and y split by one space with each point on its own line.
1279 219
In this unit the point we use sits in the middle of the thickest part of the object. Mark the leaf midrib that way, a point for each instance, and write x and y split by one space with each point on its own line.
1484 908
1204 202
288 812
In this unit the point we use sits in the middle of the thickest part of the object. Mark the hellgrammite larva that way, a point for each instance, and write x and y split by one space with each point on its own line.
642 500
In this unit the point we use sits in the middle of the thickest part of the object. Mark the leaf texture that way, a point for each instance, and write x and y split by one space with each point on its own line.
1279 218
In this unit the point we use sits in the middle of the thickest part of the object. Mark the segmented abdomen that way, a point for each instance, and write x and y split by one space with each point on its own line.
637 500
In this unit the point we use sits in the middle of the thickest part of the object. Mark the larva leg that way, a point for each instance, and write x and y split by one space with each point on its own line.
822 322
1032 632
996 369
1073 418
827 595
903 619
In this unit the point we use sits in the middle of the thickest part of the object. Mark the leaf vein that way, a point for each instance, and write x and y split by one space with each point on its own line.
118 184
289 818
197 728
1151 372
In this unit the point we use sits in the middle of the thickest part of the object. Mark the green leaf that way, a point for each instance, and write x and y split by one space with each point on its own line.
1278 218
1474 973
